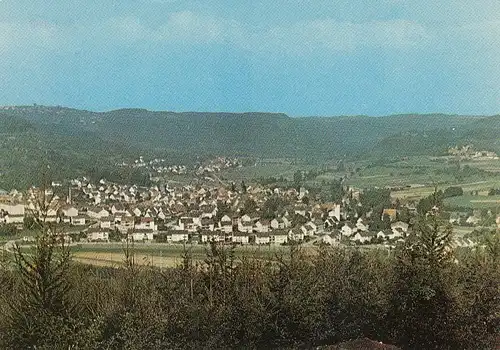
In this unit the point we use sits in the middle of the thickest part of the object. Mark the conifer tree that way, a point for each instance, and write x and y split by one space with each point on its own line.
423 295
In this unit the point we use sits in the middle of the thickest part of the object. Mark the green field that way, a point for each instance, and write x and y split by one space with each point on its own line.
481 186
166 249
474 202
489 165
263 170
162 254
166 255
417 176
419 170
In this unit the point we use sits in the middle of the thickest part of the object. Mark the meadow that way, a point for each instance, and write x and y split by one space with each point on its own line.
473 202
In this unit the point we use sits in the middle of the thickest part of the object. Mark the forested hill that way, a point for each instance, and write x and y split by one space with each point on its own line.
264 134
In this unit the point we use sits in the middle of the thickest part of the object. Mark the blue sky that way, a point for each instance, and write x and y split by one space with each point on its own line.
303 58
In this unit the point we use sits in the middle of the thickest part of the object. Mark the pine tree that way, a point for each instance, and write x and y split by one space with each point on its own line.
43 314
423 294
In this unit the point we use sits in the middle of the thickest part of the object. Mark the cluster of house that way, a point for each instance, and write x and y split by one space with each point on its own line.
217 164
159 166
194 213
12 213
203 224
155 165
465 218
469 152
199 214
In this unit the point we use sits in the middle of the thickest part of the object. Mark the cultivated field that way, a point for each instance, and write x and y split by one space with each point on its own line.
163 255
474 202
263 170
113 259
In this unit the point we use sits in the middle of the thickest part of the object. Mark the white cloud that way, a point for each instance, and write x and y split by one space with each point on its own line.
184 26
486 34
297 39
192 27
127 28
34 33
301 38
334 36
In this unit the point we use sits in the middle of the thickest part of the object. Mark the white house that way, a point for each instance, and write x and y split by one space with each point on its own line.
308 229
137 212
51 215
97 213
70 212
384 234
330 222
14 219
188 224
97 235
106 222
240 237
208 211
245 224
473 220
287 221
226 224
147 224
207 223
296 234
262 238
348 229
279 237
277 224
117 208
301 210
179 236
402 226
330 239
207 236
79 220
126 223
335 212
141 235
261 226
396 234
362 237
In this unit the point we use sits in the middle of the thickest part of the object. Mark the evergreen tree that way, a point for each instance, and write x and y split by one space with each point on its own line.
45 314
421 313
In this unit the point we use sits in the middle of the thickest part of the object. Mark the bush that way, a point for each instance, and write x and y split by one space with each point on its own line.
453 192
8 230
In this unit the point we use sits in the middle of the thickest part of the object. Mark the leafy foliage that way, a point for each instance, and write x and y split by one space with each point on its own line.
424 295
453 191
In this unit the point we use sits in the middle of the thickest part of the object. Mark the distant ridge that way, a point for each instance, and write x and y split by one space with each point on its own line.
264 134
74 140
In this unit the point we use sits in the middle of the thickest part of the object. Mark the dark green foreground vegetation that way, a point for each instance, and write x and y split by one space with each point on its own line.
423 295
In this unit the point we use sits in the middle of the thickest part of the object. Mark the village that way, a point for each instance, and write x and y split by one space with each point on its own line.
196 214
161 166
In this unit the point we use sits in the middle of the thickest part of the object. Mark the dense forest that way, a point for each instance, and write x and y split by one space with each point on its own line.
422 295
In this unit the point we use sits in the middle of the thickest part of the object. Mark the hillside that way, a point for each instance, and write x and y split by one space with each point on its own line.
78 139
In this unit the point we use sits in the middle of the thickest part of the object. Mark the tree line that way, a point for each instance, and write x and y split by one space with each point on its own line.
422 295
